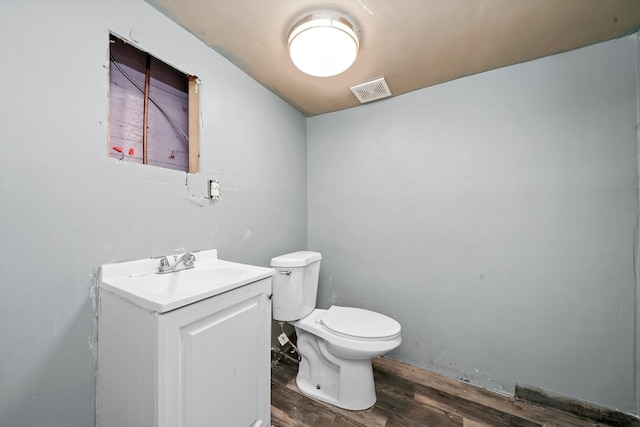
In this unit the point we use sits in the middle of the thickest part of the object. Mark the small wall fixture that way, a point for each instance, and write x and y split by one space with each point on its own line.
323 44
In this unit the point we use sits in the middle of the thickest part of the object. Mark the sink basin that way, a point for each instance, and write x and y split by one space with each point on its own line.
185 281
138 282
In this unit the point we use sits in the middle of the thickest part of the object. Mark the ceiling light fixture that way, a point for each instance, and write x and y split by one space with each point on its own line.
323 44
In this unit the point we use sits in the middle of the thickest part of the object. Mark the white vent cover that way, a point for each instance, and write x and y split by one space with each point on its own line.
370 91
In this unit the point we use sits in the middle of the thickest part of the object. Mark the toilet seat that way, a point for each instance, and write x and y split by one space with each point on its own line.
360 324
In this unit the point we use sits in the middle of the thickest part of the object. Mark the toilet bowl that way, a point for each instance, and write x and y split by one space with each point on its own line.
336 345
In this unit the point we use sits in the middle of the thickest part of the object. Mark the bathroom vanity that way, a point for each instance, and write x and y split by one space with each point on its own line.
188 348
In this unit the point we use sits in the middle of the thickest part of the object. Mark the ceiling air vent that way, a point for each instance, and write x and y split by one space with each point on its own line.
370 91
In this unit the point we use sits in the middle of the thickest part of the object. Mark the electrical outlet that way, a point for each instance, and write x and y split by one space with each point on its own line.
214 190
283 338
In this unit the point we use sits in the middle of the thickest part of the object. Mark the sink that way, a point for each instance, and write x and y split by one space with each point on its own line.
138 282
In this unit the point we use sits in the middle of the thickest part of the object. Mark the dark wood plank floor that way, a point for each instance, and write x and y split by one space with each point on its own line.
409 397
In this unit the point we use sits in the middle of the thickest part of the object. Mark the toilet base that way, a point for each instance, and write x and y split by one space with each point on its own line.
344 383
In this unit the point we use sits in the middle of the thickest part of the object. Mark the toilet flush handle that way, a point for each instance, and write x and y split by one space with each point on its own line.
285 272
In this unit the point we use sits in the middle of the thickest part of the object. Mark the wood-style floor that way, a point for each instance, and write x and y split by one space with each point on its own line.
408 397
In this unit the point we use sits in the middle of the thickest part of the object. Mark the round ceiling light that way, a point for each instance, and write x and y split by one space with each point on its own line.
323 44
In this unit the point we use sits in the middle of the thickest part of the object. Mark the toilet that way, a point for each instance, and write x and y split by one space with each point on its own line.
335 345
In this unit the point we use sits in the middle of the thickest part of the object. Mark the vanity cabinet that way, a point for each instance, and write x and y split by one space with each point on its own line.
204 364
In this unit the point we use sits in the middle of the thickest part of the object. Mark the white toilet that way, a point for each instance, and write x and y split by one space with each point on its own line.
336 345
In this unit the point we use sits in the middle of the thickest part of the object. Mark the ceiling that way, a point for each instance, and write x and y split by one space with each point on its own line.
411 43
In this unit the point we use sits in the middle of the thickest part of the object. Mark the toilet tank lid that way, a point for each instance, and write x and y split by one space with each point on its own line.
296 259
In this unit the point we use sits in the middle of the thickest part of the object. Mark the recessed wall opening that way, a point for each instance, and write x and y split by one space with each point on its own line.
153 110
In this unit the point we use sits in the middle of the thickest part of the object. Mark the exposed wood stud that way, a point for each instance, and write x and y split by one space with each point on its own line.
145 118
194 125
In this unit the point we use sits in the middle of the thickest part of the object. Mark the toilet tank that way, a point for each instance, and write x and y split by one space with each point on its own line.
295 284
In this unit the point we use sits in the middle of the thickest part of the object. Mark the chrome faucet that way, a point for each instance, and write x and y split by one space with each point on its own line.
185 262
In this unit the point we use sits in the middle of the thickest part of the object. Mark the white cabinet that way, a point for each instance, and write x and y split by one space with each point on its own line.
205 364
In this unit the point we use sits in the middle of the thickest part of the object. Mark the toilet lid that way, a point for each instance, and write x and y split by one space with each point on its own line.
359 323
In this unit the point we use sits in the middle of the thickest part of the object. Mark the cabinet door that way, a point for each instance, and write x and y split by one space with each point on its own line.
214 361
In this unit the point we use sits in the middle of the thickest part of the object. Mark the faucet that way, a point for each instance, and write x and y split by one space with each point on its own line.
185 262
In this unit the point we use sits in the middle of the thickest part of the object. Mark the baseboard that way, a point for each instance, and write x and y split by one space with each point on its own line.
575 407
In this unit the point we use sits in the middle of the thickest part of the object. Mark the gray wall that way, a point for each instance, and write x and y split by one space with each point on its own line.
494 217
67 208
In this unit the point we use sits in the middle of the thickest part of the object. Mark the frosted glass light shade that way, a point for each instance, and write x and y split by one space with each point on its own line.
323 47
